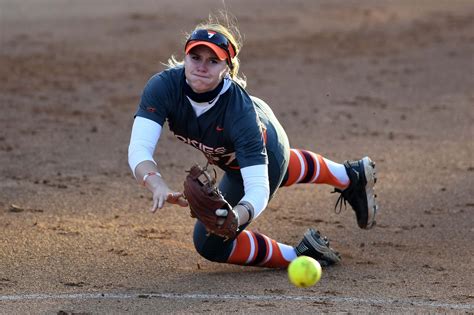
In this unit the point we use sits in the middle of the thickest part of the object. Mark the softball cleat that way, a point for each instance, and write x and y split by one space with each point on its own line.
317 246
360 193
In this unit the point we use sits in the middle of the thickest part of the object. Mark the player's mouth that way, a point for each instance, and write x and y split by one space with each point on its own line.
200 76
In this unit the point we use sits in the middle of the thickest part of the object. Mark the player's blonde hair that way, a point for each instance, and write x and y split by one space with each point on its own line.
226 25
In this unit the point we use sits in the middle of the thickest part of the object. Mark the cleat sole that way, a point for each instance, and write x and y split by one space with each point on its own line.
370 175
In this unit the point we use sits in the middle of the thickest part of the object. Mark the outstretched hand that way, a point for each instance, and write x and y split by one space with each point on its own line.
163 194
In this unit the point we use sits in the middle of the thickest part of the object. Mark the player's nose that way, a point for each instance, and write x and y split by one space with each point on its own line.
202 66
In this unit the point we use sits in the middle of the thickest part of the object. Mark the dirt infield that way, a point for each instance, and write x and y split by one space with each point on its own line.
390 79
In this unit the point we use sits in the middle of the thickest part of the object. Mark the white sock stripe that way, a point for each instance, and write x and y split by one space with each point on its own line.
269 250
303 168
288 252
316 165
234 245
337 170
252 247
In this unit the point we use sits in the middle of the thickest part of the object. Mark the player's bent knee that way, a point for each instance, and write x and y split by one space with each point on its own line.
209 246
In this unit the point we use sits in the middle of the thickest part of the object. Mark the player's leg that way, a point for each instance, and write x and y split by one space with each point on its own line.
355 180
256 249
308 167
248 248
252 248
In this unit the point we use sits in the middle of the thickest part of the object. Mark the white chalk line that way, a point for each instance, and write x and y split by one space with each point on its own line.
243 297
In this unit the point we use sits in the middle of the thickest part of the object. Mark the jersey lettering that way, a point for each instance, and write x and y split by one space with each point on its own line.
212 154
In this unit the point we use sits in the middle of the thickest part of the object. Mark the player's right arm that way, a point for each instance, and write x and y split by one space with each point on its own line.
145 135
151 114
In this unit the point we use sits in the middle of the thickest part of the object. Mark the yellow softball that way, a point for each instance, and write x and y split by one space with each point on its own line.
304 271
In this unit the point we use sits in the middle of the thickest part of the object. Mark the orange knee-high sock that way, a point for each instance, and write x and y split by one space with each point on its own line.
255 249
308 167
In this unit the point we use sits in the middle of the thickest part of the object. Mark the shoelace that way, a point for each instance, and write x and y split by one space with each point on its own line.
341 200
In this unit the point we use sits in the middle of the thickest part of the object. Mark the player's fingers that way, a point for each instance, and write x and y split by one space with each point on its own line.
161 202
155 205
221 212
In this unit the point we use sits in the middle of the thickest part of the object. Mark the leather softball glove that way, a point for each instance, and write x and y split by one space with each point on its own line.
207 203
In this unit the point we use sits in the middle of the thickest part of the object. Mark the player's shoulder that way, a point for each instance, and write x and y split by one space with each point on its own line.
171 76
164 86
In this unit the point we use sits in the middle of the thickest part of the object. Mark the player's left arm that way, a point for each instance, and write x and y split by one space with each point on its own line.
256 188
252 157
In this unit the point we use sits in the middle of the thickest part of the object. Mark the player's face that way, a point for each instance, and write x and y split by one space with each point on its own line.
203 70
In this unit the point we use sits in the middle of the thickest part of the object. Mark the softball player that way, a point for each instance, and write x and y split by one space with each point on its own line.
205 103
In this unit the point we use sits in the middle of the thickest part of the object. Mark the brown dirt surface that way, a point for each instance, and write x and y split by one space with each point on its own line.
391 79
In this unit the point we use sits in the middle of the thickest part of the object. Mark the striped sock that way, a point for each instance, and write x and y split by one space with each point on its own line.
255 249
308 167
